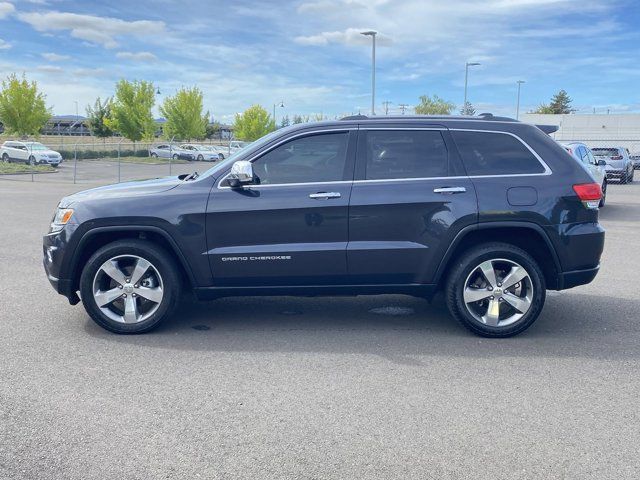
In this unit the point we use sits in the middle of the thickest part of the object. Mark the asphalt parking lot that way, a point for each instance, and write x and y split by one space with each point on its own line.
325 388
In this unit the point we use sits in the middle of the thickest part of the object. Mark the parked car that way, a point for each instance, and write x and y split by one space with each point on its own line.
201 152
635 158
618 164
166 150
222 151
596 168
486 209
30 153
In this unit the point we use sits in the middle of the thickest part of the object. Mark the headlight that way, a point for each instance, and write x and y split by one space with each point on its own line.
60 219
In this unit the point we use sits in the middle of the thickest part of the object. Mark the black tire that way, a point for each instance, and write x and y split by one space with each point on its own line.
463 267
176 156
200 158
5 158
159 258
31 161
221 156
154 155
603 200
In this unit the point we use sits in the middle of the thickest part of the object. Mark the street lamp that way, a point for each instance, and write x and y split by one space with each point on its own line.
372 34
281 105
78 119
466 78
520 82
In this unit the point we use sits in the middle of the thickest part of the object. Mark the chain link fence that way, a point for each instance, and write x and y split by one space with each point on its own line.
106 161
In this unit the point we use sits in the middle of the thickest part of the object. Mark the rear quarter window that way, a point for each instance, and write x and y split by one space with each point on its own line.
495 153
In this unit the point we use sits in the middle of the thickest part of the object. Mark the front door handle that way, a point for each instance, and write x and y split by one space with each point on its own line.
449 190
325 195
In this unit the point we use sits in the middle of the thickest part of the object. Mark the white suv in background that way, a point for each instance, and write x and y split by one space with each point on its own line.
31 153
597 168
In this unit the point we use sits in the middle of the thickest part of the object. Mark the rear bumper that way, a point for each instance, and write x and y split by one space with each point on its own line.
577 277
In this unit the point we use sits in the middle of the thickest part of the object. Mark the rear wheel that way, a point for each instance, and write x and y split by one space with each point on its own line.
5 158
154 155
31 161
176 156
130 286
496 290
200 158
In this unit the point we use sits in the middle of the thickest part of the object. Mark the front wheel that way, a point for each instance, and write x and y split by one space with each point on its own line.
176 156
31 161
496 290
130 286
200 158
154 155
5 158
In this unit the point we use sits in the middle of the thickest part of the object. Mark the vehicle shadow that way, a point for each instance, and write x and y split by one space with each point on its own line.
402 329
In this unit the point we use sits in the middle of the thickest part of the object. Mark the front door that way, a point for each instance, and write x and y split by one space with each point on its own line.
409 199
290 227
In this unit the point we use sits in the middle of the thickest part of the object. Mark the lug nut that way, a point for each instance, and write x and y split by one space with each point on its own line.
489 288
499 284
491 297
133 295
136 285
128 280
120 287
124 295
500 299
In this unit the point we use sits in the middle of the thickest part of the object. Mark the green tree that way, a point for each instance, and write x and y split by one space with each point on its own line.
297 119
560 104
98 116
434 106
285 122
183 112
131 110
253 123
23 110
467 109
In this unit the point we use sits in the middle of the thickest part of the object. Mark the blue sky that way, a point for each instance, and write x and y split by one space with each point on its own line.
309 53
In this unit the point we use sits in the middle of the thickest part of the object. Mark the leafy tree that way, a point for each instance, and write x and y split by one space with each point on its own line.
253 123
318 117
98 116
131 110
297 119
467 109
560 104
434 106
23 110
285 122
184 116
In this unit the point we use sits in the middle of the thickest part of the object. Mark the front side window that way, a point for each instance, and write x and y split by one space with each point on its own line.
492 153
397 154
316 158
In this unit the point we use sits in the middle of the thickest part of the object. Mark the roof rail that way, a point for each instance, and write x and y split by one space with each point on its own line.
355 117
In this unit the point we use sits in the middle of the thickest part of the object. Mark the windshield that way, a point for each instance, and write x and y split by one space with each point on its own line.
605 152
248 150
36 146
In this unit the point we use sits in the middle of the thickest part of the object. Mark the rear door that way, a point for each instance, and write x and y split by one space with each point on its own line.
409 199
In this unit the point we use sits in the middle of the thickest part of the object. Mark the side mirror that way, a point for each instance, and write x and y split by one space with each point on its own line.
241 174
602 163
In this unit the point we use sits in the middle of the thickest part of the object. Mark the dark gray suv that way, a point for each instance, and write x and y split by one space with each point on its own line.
489 210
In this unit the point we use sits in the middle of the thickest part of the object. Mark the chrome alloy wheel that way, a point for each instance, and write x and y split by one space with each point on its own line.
498 292
128 289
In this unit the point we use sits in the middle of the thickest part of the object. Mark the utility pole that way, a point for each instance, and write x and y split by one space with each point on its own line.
403 106
386 104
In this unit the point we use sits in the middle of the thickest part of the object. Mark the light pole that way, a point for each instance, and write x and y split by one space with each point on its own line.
466 80
372 34
520 82
78 118
281 105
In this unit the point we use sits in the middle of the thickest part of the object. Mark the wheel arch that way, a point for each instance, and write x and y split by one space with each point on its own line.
529 236
98 237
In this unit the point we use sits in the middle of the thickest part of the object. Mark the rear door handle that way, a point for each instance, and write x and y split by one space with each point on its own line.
449 190
325 195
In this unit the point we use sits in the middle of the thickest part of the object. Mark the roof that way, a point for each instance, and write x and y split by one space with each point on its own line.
482 116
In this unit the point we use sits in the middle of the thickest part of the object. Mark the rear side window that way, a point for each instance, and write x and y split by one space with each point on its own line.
392 154
489 153
605 152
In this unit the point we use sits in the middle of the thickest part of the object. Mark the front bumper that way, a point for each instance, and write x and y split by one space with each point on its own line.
53 249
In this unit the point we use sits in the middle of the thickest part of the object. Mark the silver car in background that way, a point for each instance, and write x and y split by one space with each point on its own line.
595 167
618 164
202 153
166 150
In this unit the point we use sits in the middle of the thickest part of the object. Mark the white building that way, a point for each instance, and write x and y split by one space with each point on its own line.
595 130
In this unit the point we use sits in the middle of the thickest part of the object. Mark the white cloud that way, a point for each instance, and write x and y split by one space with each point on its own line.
54 57
137 56
6 8
350 36
101 30
50 69
89 72
4 45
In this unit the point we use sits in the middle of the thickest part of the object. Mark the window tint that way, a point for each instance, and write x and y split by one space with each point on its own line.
486 153
405 154
316 158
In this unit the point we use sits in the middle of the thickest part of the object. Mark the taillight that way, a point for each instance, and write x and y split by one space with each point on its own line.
589 194
617 157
